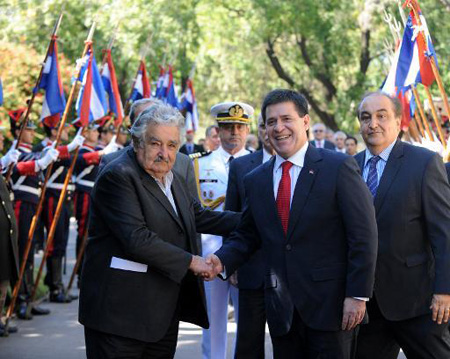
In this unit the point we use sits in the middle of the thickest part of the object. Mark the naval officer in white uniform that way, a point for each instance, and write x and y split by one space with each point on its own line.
233 119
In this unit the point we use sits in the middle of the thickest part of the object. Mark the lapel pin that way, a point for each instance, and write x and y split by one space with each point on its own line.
311 172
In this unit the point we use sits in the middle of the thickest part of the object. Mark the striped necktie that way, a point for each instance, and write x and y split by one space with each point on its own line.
372 177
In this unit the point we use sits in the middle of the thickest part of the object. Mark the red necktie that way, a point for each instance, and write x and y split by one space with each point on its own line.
284 195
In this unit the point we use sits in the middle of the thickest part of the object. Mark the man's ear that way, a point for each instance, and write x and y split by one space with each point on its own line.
306 120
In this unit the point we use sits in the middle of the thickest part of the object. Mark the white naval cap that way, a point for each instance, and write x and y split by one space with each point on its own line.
232 112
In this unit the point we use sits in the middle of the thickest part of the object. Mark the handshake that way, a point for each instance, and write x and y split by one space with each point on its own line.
207 268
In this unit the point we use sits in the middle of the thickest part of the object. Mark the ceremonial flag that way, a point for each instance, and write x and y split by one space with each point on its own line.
54 101
411 64
190 105
169 93
405 97
1 93
159 93
141 85
91 103
14 118
112 89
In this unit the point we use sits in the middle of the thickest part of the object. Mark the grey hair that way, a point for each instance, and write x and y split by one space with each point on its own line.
209 130
158 114
340 133
140 103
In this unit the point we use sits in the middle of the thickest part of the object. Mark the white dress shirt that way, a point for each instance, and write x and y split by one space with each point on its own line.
166 189
266 156
298 160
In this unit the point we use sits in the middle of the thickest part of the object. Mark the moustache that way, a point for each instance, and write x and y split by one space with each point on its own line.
161 159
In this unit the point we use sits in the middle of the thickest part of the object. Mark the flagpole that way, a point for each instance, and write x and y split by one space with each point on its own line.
414 131
419 125
435 118
110 45
413 4
426 125
35 90
43 190
62 196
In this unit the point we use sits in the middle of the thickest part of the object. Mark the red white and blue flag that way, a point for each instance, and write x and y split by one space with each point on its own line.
112 89
54 101
412 64
91 103
169 92
190 105
141 87
159 93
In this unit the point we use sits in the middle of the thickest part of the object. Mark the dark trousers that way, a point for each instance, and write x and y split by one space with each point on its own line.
24 212
419 337
302 342
251 324
58 247
101 345
81 207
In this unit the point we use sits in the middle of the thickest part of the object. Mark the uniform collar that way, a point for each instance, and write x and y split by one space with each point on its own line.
25 147
226 156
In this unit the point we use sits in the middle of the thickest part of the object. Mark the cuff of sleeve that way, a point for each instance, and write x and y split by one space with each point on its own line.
92 158
63 152
362 298
27 168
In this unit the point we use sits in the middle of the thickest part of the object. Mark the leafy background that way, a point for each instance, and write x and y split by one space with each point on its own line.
332 50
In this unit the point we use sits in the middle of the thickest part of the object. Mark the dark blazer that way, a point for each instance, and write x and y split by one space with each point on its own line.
251 274
197 148
132 219
9 253
327 144
413 215
331 244
447 168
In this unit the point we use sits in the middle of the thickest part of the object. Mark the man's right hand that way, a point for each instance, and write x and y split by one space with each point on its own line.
200 267
216 265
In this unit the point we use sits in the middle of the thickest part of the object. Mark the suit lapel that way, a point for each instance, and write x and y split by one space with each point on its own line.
303 187
182 203
152 187
390 171
360 158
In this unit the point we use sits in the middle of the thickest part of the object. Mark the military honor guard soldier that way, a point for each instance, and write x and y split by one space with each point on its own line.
233 119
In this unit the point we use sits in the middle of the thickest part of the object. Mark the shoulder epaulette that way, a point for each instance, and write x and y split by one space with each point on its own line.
199 154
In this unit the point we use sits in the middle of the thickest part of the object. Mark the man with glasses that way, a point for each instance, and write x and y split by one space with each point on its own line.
319 137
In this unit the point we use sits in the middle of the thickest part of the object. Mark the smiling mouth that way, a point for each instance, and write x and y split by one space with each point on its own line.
282 138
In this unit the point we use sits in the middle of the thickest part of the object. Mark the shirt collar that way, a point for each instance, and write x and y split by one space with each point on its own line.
298 158
168 179
384 155
226 156
266 156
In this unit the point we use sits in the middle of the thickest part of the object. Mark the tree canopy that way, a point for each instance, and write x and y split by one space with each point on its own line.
332 51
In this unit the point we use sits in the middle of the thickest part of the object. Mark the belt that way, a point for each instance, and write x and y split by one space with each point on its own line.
28 189
85 183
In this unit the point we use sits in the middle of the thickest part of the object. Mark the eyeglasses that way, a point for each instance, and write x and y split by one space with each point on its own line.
317 131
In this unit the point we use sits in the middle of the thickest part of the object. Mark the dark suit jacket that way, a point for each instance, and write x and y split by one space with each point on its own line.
327 144
197 148
413 215
132 219
447 168
251 274
331 244
9 253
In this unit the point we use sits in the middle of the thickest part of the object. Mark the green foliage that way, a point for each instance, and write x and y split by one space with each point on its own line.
320 45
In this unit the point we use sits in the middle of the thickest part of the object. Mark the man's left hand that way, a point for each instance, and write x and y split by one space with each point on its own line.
440 307
354 310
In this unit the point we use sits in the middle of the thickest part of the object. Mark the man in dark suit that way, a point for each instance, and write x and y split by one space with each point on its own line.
189 146
251 324
138 276
313 216
411 301
319 132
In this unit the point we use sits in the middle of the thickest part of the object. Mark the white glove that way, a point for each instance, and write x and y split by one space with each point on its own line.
11 157
112 146
51 155
76 142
